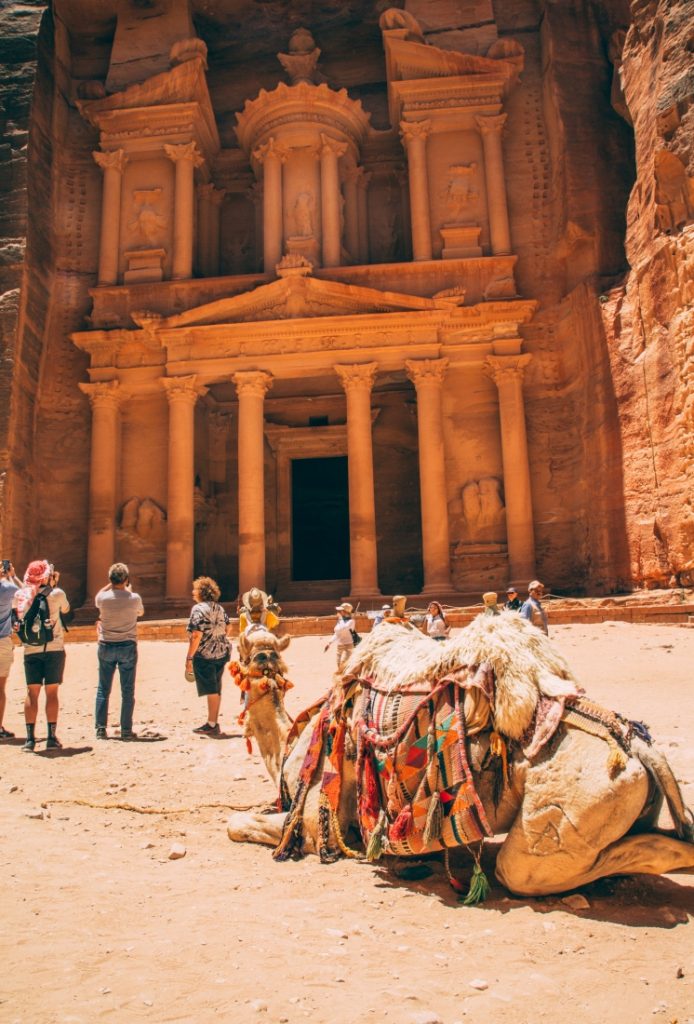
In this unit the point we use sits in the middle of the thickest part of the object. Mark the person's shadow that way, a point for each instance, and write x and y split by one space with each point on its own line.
63 752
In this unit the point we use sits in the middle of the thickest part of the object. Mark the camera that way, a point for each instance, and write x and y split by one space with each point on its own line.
6 565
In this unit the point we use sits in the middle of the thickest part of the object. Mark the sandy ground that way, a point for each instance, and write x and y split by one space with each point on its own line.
99 924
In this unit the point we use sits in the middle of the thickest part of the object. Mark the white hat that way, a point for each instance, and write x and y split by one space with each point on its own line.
344 607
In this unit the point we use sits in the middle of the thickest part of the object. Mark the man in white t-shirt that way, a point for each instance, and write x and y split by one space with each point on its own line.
342 633
119 609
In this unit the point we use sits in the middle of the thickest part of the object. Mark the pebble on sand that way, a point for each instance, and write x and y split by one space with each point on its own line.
576 902
177 851
479 984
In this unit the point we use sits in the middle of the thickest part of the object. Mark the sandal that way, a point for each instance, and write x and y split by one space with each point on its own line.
5 734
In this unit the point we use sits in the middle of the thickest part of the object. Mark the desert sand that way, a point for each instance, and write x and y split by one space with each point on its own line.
99 924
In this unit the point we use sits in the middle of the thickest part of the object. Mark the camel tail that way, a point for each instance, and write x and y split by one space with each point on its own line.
657 766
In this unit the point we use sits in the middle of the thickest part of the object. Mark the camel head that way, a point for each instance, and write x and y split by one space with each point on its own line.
258 640
261 676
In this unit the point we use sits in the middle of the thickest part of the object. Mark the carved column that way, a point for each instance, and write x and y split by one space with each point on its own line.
271 156
104 399
251 387
357 380
414 136
490 128
182 394
330 153
427 376
113 165
186 158
507 373
352 213
363 214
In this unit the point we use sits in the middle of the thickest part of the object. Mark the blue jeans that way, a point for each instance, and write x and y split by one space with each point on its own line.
122 656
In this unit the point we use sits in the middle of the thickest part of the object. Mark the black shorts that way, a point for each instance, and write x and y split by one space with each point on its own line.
45 667
208 674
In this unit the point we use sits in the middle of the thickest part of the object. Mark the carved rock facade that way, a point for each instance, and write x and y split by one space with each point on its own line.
270 252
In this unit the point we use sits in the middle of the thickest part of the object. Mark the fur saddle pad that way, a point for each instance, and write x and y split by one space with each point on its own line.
415 789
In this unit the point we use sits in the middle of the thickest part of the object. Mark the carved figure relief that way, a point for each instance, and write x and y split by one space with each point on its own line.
302 215
143 520
460 193
483 511
148 223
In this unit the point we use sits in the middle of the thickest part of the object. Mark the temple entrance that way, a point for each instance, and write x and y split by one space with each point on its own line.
320 519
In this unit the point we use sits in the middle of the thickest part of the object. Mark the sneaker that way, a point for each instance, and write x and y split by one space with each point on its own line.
101 732
128 736
53 743
29 746
207 729
5 734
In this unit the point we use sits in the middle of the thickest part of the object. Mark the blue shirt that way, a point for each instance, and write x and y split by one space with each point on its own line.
7 591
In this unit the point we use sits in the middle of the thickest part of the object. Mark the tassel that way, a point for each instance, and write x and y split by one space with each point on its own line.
497 746
434 822
402 826
453 882
249 746
479 887
371 797
376 846
616 760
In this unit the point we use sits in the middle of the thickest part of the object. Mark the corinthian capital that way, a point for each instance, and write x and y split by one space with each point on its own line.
255 383
410 130
114 159
183 389
187 151
102 394
506 369
356 376
332 146
491 124
424 372
271 150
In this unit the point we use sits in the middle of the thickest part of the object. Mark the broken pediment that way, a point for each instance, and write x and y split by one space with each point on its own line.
295 298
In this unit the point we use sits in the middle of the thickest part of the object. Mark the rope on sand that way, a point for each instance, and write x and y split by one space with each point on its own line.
155 810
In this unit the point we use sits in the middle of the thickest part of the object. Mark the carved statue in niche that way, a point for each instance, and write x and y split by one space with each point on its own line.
147 222
460 192
142 520
303 215
483 510
141 539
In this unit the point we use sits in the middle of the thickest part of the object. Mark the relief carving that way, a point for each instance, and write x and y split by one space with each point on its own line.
460 193
142 520
483 514
148 223
302 215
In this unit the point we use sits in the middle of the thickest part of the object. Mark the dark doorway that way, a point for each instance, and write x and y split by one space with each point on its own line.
320 519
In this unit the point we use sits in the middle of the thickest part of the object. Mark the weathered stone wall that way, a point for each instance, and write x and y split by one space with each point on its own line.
610 401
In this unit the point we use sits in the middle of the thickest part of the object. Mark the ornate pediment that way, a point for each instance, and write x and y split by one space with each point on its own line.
297 297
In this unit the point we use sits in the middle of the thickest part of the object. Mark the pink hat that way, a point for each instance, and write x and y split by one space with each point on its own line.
36 573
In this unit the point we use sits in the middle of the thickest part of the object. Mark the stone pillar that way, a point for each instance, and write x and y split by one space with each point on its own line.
330 153
414 136
186 158
271 156
490 128
357 380
507 373
112 164
182 394
251 387
352 213
104 399
363 214
427 376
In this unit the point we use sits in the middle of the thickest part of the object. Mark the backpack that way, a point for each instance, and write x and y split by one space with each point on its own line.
356 639
35 627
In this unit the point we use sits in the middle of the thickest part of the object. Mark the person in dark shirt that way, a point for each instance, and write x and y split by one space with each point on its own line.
513 601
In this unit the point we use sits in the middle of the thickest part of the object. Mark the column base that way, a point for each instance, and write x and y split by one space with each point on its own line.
432 589
364 596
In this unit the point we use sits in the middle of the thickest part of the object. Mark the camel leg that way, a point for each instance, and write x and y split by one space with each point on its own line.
251 827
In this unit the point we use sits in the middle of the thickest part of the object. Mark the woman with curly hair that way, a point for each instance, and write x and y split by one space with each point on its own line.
209 649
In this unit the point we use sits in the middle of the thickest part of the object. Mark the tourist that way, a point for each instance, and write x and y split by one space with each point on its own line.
9 585
532 609
209 649
489 600
343 633
382 614
513 602
119 609
258 609
43 665
436 625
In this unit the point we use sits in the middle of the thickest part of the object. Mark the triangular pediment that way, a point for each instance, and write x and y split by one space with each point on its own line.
297 297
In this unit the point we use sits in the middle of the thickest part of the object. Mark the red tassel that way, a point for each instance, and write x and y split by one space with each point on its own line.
249 747
371 797
402 826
